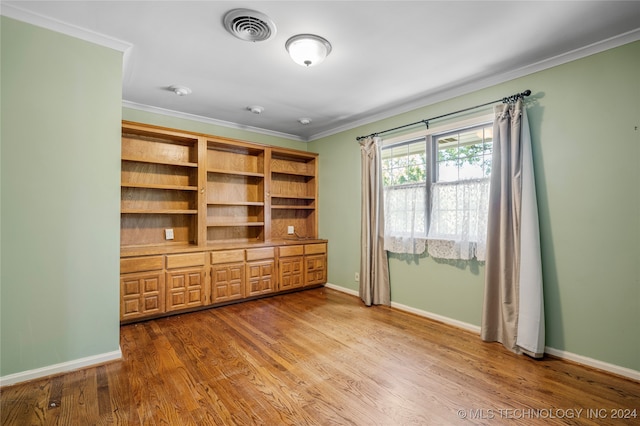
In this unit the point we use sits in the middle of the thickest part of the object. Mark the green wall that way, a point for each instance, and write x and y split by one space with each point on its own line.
60 197
585 120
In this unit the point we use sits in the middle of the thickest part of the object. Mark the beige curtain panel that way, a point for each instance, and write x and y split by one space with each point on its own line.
374 266
513 311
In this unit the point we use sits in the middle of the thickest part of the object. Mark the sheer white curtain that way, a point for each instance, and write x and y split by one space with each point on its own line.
458 228
405 220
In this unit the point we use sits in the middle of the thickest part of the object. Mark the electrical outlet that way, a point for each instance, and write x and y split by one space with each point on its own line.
357 276
290 230
168 234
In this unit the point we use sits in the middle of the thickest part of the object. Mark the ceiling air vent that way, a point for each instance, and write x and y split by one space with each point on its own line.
249 25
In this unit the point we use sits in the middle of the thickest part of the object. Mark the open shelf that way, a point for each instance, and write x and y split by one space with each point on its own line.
160 161
293 207
229 224
293 197
159 186
228 189
293 164
140 146
238 173
235 203
235 234
157 211
147 228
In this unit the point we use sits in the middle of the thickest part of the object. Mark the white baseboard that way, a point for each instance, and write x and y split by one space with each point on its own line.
63 367
600 365
342 289
450 321
590 362
419 312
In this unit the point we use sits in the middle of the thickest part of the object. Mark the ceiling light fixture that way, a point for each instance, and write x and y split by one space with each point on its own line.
180 90
308 49
304 120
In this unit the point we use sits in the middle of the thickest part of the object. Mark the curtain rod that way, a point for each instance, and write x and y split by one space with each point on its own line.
426 121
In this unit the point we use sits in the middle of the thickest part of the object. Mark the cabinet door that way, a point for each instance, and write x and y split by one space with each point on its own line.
291 273
185 288
316 270
227 282
260 277
141 295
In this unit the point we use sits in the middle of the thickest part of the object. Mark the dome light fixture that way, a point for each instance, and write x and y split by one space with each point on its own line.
308 49
180 90
304 120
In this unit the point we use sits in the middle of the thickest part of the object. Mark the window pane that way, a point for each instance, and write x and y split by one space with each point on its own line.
465 154
448 171
404 164
404 177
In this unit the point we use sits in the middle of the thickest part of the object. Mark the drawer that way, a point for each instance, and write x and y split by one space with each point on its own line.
227 256
315 248
260 253
291 251
141 264
185 259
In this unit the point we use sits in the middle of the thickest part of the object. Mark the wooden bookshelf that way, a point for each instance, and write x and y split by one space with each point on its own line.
159 187
229 205
294 194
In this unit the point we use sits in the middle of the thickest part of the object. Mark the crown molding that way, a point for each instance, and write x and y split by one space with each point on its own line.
207 120
14 12
483 83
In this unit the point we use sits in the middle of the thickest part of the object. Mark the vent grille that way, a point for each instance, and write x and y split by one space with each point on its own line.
249 25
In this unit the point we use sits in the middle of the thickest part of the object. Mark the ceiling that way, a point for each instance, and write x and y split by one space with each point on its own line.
388 56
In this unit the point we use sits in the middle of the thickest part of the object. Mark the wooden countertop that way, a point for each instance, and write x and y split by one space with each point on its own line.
187 248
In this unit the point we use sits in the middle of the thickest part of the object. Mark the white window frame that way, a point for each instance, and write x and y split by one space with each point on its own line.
427 134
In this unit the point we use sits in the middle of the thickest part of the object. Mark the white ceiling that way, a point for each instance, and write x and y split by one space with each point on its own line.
388 56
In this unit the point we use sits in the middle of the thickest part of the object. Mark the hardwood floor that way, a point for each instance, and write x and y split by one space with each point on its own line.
319 357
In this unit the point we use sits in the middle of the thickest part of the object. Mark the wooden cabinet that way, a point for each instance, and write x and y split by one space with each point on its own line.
227 282
227 275
315 263
185 286
290 267
141 287
141 295
207 220
260 277
316 269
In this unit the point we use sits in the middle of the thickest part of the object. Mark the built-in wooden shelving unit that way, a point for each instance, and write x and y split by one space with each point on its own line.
203 220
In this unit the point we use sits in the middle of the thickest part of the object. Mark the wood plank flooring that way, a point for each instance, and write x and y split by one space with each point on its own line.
319 357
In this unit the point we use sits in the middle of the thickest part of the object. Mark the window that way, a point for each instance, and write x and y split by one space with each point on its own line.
460 193
436 190
404 176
